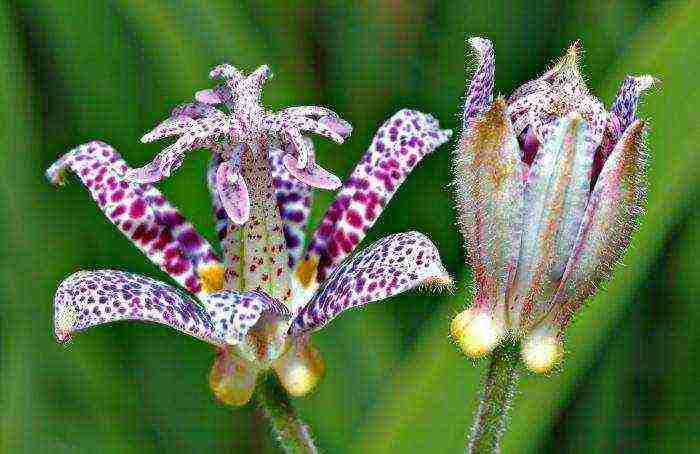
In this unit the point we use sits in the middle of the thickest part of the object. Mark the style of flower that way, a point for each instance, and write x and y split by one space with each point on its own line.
260 304
550 189
248 124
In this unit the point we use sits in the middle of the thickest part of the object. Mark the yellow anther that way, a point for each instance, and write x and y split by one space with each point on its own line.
212 277
307 270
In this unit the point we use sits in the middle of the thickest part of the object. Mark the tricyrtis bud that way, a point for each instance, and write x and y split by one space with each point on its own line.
549 190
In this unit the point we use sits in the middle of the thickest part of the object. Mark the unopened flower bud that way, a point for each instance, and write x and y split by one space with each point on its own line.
550 187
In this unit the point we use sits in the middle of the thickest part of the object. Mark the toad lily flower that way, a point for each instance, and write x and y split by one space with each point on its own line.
200 125
550 187
259 305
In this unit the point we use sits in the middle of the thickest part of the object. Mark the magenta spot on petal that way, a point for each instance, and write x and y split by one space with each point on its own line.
354 219
118 211
137 209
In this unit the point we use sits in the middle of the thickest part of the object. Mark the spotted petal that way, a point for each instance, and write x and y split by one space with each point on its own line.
220 217
236 313
388 267
622 113
193 134
294 200
143 215
625 104
610 220
555 200
90 298
480 92
398 146
489 193
233 192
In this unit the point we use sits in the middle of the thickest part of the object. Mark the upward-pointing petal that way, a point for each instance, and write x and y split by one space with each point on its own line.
613 210
555 200
625 104
386 268
480 92
398 146
489 192
144 216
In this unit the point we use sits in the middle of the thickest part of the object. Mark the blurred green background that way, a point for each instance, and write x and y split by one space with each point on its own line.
78 70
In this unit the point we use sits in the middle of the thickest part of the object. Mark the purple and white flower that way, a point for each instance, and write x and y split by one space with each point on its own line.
247 125
550 188
260 303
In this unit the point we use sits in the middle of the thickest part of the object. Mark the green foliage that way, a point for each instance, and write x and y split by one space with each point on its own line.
81 70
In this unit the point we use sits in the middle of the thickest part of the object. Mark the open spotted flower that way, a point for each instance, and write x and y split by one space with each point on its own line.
260 304
247 125
550 187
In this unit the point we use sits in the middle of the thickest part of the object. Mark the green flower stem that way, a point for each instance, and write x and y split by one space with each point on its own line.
292 434
491 416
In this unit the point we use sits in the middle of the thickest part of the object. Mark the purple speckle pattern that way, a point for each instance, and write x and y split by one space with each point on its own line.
622 114
398 146
193 133
388 267
201 125
480 92
139 211
220 217
89 298
235 313
233 192
539 103
625 104
294 200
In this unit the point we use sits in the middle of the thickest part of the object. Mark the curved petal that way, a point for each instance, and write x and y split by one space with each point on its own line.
208 96
225 71
480 92
144 216
172 126
323 127
193 110
233 192
220 217
90 298
398 146
311 174
388 267
294 200
194 133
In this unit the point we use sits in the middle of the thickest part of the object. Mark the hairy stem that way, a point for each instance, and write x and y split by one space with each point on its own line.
292 434
499 387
